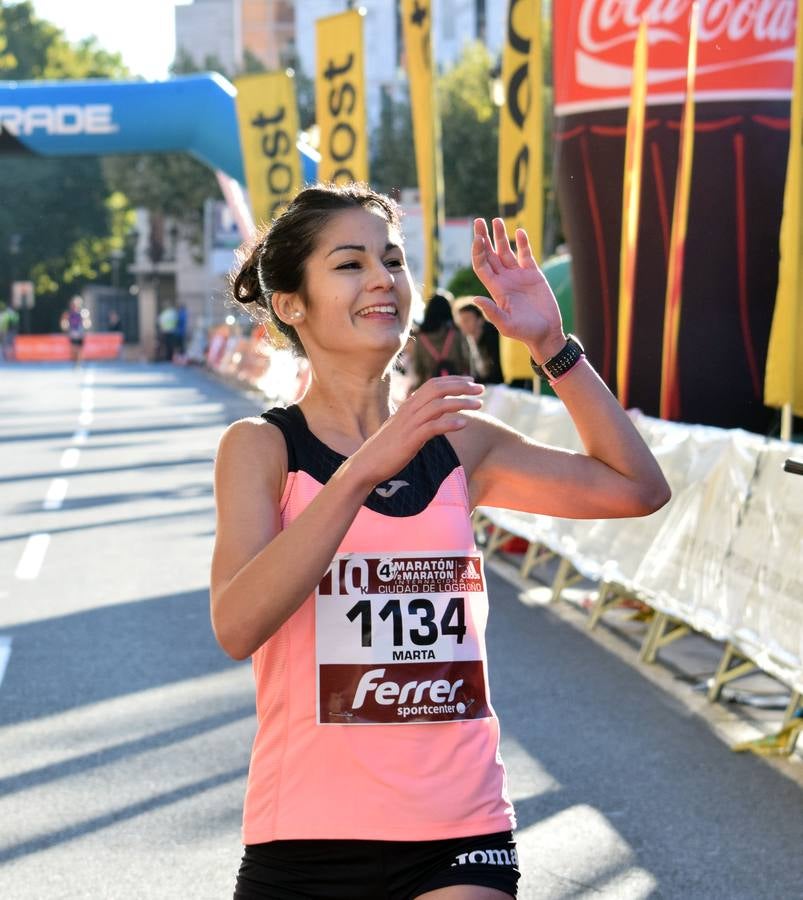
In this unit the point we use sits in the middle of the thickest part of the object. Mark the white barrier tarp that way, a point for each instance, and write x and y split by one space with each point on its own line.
683 570
725 555
764 572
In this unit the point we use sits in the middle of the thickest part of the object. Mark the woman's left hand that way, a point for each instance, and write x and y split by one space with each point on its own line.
523 305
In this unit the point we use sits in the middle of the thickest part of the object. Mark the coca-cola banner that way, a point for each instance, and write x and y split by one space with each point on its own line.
746 49
730 257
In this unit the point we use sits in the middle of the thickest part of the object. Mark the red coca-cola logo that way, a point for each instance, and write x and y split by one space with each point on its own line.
746 47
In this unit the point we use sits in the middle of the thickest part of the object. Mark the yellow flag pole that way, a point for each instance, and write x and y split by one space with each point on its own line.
631 205
670 382
783 374
520 177
417 28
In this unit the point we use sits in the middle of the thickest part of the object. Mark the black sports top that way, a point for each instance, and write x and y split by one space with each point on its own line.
407 493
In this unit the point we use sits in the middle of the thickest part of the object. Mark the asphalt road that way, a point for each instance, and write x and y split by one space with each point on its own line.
125 731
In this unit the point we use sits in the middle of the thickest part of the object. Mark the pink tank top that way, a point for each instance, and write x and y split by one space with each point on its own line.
374 717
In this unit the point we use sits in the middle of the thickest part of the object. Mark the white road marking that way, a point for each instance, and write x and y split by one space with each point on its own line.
5 653
55 493
85 418
80 436
32 557
87 400
70 457
89 375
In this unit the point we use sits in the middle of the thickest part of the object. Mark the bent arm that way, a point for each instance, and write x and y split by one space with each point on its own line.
617 475
261 573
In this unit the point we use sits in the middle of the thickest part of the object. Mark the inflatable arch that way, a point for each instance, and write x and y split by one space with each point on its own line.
191 113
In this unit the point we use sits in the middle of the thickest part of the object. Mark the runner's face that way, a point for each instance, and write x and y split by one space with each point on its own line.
358 287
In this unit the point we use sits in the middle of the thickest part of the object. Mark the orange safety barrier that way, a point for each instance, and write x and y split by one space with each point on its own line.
56 347
41 347
102 345
218 338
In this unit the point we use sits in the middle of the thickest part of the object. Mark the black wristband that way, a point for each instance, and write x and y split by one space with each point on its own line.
559 364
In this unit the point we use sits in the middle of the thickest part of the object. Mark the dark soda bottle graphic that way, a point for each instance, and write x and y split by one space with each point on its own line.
744 77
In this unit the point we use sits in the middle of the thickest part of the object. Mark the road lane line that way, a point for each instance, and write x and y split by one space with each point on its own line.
32 557
85 418
70 457
80 436
55 493
87 400
5 653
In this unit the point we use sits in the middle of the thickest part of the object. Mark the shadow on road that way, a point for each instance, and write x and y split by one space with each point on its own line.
704 821
108 652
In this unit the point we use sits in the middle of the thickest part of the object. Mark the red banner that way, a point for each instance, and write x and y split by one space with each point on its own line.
56 347
746 50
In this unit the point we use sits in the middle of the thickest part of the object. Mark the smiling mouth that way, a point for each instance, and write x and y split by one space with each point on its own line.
379 310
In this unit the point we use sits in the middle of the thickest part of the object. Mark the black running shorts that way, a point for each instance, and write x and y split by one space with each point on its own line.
375 870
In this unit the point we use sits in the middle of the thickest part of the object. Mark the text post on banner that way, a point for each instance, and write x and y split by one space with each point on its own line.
520 176
340 98
417 28
267 118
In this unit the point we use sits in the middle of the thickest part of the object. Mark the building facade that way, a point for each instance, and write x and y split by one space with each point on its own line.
276 32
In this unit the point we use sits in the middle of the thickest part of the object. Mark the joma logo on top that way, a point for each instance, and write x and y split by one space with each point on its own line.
94 118
604 24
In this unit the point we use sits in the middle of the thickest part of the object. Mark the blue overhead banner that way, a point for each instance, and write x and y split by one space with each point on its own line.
192 113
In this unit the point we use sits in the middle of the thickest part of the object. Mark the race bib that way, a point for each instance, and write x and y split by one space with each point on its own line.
401 639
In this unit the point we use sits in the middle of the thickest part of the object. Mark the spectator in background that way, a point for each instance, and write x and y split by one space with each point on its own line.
113 321
181 332
483 341
438 348
114 324
168 323
9 323
76 322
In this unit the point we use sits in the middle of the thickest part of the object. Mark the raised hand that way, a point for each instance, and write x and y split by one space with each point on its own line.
522 305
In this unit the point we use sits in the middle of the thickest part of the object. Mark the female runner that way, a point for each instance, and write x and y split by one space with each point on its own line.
345 565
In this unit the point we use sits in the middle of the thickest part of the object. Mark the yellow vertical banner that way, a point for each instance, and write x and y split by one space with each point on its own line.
417 27
521 155
631 205
783 375
340 98
670 376
267 119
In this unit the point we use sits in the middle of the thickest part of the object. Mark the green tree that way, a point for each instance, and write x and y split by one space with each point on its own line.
56 225
469 126
176 184
465 282
470 139
168 184
470 135
392 161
